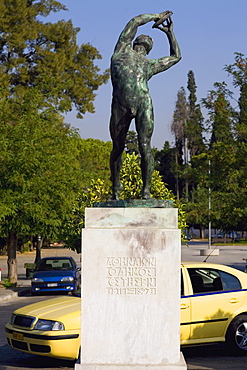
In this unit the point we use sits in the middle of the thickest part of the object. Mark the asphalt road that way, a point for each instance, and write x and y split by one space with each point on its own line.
15 360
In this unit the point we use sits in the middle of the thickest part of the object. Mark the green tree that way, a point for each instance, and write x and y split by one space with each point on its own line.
197 209
238 71
220 114
94 159
70 232
194 124
194 135
229 195
180 117
43 72
39 170
165 163
46 56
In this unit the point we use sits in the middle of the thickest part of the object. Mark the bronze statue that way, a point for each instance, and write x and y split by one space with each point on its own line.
130 72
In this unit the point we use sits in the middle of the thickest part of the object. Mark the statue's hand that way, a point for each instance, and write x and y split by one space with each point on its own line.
164 17
168 27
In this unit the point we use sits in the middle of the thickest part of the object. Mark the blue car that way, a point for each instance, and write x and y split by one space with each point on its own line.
56 274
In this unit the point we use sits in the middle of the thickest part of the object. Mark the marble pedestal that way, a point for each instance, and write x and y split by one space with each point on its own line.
131 290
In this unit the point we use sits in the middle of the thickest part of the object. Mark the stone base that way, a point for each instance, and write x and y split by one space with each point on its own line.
209 252
130 314
180 365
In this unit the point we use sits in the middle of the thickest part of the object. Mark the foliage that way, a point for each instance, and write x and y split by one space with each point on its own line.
46 56
94 160
229 196
238 71
98 191
131 143
43 73
194 124
220 114
132 186
8 284
70 233
39 167
165 163
180 116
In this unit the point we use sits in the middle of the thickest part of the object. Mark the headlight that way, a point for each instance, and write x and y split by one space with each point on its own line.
12 320
37 280
48 325
67 278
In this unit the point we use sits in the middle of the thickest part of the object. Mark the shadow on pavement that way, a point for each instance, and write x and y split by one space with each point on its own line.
212 357
19 360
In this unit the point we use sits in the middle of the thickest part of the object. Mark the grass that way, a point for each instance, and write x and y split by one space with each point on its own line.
241 242
7 284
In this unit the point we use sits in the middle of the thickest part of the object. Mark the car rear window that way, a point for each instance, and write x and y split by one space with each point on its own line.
230 282
211 280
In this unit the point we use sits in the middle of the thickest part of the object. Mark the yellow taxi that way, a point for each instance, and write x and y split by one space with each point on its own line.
213 306
48 328
213 309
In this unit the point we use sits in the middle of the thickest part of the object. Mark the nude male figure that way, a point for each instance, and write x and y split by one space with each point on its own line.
130 72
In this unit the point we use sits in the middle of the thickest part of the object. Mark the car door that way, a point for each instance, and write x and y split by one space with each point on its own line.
185 303
216 296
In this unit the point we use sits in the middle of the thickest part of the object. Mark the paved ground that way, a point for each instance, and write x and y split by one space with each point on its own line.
229 255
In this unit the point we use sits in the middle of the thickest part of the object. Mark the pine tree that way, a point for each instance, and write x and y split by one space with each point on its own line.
220 114
238 71
194 124
180 117
165 163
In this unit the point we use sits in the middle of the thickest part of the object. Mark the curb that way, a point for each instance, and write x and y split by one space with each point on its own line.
12 294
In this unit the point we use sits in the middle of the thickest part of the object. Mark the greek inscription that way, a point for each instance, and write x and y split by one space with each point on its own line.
131 275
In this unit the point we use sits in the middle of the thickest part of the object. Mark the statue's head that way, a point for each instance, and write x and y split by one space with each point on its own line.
145 41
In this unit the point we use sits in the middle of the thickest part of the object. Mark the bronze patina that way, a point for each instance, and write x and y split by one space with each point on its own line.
130 72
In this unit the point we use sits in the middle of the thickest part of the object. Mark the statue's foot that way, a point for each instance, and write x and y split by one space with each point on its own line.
115 196
145 195
116 191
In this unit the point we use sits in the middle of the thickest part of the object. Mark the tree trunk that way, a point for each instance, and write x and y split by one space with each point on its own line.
12 262
38 250
202 232
31 245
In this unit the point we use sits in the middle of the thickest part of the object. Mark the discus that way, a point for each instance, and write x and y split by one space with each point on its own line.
163 19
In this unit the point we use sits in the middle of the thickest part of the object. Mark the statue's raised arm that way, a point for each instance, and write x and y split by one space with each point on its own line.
165 24
129 31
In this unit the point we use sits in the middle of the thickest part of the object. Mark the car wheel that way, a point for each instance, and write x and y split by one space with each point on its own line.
236 337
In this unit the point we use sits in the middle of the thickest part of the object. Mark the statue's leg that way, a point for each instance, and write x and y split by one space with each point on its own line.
144 128
119 125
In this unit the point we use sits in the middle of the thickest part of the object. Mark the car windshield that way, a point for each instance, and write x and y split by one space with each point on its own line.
54 264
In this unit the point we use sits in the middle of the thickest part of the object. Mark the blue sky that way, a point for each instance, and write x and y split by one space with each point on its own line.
208 32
